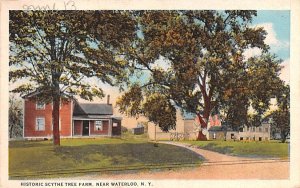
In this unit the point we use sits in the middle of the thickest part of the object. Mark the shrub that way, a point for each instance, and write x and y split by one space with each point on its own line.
124 129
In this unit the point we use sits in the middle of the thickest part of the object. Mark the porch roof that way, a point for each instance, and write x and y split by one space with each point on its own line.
95 117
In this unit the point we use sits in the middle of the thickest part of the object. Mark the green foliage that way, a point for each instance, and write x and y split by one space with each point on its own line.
130 102
160 111
281 116
56 51
61 48
155 106
124 129
246 149
208 72
15 117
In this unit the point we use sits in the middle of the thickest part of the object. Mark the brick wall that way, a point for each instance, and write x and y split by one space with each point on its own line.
77 127
104 131
31 113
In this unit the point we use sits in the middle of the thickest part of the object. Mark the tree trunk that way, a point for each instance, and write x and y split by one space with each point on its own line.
201 136
203 124
283 136
55 117
11 131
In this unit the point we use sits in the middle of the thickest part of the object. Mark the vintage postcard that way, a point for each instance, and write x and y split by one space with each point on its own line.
150 93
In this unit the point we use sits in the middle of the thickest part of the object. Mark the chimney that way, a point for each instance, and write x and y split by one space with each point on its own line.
108 96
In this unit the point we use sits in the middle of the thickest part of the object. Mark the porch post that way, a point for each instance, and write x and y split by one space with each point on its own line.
110 127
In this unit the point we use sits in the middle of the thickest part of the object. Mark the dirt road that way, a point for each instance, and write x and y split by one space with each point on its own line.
216 166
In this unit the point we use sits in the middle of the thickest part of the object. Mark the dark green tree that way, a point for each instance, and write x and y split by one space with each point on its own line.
281 117
155 106
15 117
253 85
207 72
55 51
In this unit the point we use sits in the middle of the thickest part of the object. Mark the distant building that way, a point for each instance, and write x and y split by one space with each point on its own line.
187 127
261 133
139 129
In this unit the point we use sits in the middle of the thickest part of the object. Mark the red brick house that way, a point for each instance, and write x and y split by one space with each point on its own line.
76 119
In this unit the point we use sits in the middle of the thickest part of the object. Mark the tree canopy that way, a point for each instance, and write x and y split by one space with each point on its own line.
207 72
55 51
281 116
204 72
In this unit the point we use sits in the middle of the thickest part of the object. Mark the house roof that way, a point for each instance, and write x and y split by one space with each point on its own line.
84 109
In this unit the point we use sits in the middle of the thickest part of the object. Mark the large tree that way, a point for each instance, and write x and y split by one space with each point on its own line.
250 87
281 116
15 117
55 51
207 71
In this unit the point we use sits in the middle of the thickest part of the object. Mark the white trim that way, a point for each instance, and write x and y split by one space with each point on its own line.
95 136
109 132
82 128
36 123
72 122
89 128
51 137
24 118
101 124
92 119
72 125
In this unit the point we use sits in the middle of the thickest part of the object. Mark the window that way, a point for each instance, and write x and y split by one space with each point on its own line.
260 129
241 138
40 105
253 129
98 125
232 136
40 124
266 129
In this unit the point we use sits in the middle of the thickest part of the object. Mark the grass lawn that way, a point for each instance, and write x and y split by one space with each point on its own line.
38 159
246 149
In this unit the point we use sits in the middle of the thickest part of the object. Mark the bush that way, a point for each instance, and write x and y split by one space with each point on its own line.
124 129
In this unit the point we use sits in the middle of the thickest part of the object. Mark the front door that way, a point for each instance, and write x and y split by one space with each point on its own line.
85 128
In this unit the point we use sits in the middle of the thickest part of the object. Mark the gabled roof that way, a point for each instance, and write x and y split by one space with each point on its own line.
92 109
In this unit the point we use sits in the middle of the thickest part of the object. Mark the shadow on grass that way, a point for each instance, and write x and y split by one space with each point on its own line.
224 150
28 144
25 158
128 153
